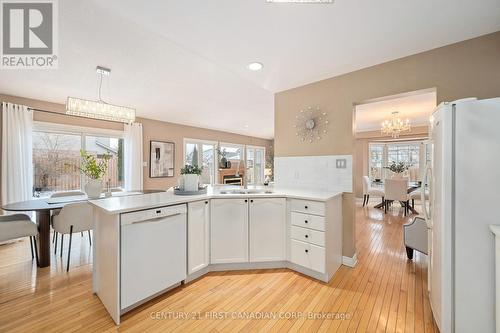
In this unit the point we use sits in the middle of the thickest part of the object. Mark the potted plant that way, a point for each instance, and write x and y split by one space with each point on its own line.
223 162
94 170
398 168
191 176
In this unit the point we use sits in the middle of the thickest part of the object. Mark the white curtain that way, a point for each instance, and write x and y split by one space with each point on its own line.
17 153
133 157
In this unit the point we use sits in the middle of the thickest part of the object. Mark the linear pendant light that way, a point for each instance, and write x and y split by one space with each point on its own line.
99 109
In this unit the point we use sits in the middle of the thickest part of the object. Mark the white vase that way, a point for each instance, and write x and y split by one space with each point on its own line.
93 188
191 182
396 175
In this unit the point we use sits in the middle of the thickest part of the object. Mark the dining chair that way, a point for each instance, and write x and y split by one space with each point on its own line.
369 190
416 195
396 190
74 217
18 226
57 211
415 236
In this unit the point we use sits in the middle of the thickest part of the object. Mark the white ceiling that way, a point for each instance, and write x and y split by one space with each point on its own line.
185 61
415 107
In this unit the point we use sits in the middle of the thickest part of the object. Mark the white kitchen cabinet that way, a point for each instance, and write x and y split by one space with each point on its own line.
267 228
198 235
308 235
308 255
316 236
229 231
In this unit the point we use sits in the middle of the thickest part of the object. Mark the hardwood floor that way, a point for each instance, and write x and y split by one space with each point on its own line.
384 293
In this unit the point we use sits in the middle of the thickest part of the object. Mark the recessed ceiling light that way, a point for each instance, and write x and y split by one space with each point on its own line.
255 66
246 126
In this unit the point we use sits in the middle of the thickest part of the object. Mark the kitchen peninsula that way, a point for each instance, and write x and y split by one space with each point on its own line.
147 244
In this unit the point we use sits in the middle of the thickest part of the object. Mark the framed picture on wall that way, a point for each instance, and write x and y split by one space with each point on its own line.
161 159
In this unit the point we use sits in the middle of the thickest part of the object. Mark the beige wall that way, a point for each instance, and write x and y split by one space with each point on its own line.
469 68
362 140
152 130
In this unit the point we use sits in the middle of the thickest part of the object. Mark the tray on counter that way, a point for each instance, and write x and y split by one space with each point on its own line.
201 190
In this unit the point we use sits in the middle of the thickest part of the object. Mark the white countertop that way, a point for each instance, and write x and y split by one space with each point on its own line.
117 205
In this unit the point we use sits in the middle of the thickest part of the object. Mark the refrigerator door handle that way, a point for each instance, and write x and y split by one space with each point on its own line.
427 211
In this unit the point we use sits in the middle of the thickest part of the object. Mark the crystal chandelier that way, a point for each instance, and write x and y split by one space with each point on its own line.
99 109
395 126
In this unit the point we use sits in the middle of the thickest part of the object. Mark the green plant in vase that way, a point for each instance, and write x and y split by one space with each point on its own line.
95 170
222 157
191 177
398 168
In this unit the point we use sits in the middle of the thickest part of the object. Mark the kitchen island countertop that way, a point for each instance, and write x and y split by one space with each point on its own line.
118 205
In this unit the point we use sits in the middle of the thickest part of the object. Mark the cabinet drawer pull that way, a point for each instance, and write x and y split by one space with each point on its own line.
307 236
306 207
307 251
251 200
246 200
306 221
206 202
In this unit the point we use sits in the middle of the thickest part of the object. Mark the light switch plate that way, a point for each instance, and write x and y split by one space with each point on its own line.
341 163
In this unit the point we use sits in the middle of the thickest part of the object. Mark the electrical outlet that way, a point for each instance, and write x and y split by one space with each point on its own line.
341 163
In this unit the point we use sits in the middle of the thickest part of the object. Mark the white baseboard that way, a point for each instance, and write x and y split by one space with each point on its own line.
325 277
350 261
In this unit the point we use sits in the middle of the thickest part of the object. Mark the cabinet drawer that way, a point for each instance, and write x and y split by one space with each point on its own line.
308 221
306 206
307 255
308 235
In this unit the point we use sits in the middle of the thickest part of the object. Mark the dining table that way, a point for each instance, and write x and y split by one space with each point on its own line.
412 186
43 207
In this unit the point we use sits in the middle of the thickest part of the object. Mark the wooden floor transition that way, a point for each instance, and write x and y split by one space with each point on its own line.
384 293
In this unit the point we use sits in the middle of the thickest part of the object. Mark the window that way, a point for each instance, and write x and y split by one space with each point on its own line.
255 164
232 168
56 157
201 153
382 154
112 146
376 160
407 153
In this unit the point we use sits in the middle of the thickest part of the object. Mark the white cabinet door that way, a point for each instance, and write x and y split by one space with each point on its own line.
267 229
307 255
229 231
198 235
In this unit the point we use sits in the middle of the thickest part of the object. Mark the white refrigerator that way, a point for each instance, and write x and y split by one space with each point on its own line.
464 181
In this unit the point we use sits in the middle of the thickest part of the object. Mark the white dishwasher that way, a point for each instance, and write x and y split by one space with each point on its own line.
153 252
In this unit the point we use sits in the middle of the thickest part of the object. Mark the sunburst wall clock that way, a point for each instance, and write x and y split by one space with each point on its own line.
311 124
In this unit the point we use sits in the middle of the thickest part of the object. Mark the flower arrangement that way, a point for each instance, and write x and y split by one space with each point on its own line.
191 170
398 167
222 152
91 167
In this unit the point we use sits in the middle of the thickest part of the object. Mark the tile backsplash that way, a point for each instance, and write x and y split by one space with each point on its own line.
315 173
